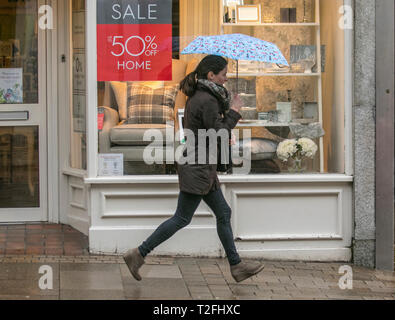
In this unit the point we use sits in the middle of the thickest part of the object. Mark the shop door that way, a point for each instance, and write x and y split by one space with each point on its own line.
23 129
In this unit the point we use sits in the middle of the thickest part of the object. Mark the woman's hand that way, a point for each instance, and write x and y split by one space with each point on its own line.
232 140
236 103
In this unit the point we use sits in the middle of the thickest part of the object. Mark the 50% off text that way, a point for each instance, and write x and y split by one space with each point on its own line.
134 46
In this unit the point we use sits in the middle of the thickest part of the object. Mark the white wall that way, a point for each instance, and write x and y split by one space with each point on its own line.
272 220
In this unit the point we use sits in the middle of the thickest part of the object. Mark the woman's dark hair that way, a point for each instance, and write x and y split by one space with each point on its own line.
209 63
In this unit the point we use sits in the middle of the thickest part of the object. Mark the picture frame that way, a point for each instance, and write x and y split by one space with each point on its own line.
284 110
230 10
300 53
310 111
248 13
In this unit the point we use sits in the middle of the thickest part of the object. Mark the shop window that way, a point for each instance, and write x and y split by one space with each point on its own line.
78 110
302 103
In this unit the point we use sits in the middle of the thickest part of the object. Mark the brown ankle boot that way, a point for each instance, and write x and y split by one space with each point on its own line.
134 260
244 270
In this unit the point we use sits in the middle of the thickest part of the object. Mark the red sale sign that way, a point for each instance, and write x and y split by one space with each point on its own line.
134 40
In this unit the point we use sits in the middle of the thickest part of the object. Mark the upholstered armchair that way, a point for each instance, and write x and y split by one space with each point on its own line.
125 124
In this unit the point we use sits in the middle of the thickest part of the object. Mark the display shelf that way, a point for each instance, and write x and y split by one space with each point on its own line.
273 74
262 123
274 24
317 76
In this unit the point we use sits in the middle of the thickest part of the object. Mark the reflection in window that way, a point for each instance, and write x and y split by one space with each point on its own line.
18 52
19 167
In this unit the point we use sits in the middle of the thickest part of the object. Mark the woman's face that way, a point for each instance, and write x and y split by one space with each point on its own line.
219 78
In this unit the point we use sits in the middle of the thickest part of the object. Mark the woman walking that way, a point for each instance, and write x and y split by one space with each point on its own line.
208 107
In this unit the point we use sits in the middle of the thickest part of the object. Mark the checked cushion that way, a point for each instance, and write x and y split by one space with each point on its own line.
150 105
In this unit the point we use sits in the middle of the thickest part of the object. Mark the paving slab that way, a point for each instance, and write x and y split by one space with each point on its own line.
90 280
70 294
91 267
23 270
199 296
243 290
27 287
160 271
28 297
156 289
223 296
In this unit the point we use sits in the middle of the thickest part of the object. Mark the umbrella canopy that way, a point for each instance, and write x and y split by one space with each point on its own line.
238 47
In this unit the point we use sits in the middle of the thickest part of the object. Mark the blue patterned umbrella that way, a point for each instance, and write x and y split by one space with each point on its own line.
238 47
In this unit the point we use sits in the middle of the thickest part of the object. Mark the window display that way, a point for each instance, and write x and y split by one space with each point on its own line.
284 102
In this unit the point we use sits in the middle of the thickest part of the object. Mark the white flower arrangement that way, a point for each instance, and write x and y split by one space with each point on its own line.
309 148
286 149
296 149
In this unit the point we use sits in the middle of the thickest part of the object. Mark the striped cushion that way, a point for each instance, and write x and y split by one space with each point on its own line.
148 105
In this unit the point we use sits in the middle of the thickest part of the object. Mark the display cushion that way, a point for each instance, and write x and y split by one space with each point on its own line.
148 105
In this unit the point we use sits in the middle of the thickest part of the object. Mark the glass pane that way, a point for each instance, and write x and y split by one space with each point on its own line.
19 167
18 52
114 115
301 104
78 112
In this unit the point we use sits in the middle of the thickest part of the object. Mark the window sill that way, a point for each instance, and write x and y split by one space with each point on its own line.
78 173
149 179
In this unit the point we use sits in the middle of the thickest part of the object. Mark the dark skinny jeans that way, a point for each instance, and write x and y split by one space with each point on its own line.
187 205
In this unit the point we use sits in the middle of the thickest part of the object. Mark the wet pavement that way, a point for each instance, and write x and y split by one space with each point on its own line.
180 278
106 277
